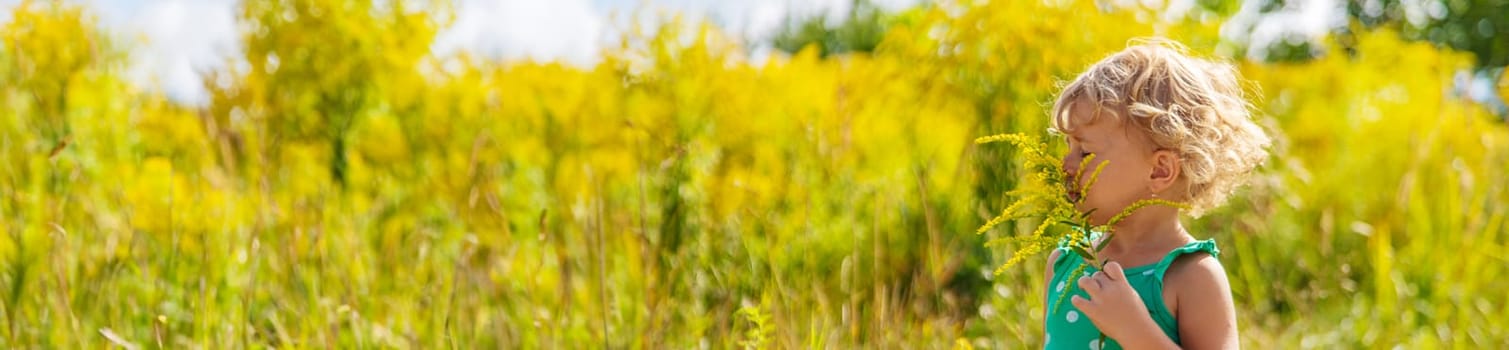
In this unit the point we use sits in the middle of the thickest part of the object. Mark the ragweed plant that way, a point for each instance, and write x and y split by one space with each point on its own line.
1047 195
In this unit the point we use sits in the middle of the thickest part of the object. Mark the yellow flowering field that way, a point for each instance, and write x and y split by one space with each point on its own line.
343 187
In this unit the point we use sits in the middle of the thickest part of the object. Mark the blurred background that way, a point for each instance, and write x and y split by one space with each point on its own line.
702 174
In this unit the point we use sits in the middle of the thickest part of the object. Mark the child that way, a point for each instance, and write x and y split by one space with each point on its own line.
1172 127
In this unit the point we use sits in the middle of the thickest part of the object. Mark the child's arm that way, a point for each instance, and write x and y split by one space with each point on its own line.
1206 314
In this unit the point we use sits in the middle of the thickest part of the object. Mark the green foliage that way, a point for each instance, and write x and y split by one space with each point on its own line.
861 31
1471 26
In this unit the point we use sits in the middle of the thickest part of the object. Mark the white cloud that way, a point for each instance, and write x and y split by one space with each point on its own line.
761 19
514 29
180 40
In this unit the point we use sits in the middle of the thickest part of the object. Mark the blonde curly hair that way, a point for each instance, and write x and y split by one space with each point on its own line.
1193 106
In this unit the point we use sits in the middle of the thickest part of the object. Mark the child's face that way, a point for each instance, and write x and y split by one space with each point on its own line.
1133 171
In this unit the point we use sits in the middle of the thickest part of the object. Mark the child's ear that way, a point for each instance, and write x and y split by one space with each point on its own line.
1165 170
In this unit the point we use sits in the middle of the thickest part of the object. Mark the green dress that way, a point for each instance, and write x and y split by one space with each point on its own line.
1067 328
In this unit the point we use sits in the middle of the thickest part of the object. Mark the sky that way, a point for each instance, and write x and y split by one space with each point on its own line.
175 41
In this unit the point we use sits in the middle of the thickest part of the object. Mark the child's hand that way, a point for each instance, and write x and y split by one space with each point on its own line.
1114 306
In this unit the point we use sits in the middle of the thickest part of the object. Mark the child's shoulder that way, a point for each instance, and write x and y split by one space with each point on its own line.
1197 280
1195 267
